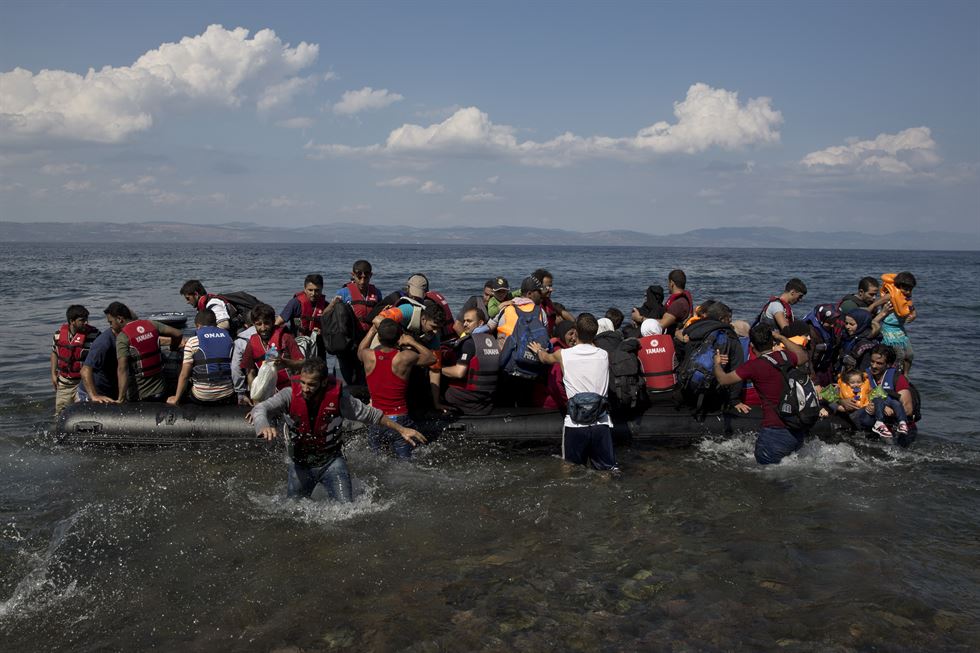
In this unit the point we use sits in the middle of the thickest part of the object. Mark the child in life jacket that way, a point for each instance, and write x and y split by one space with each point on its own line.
852 386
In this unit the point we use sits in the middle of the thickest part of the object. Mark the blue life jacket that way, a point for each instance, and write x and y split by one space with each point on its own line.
212 360
516 357
745 358
887 381
698 373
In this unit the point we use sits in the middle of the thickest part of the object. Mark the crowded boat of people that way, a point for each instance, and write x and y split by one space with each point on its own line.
407 355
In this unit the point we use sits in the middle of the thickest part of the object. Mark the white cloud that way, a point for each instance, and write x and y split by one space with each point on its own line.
909 151
397 182
480 196
706 118
219 67
74 185
299 122
63 168
432 188
282 94
352 102
493 180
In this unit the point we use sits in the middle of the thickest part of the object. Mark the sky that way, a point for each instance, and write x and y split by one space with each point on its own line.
654 116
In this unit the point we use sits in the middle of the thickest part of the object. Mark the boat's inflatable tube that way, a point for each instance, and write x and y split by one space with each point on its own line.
161 424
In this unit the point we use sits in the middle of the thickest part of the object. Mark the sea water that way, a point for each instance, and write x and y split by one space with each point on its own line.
847 545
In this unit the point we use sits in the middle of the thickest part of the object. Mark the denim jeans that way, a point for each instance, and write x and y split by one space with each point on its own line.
382 438
301 479
774 444
882 402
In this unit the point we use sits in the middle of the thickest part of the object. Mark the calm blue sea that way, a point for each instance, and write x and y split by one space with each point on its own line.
845 546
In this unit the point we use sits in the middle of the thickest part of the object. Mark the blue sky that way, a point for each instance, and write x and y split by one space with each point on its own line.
660 117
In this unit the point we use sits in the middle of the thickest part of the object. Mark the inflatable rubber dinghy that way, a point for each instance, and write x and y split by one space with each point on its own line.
161 424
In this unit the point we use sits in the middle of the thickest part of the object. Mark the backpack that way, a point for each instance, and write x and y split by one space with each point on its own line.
240 305
627 386
586 407
516 357
916 413
697 374
338 329
799 405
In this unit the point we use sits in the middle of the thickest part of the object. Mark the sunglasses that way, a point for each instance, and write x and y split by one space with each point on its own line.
361 275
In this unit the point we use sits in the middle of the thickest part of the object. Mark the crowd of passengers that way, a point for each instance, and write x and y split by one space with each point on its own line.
503 347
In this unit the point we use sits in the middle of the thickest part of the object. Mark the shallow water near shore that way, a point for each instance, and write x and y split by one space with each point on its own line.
847 545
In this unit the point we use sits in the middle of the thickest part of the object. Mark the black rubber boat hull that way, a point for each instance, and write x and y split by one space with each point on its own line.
161 424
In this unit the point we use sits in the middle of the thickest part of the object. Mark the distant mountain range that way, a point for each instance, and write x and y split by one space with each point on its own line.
247 232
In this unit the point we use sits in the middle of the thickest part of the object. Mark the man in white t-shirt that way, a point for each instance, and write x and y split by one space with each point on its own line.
587 433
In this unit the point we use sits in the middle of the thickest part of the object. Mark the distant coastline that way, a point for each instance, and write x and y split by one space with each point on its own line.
337 233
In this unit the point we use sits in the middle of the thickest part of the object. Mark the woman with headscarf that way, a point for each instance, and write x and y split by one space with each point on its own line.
860 337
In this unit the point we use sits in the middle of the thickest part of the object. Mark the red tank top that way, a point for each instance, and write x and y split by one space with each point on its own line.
387 390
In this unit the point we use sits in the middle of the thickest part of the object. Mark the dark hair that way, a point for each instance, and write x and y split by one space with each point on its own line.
795 284
263 312
314 366
702 309
434 312
389 332
905 280
761 337
796 328
76 311
315 279
886 351
480 315
679 278
867 283
193 287
540 274
205 318
361 265
586 327
559 308
118 309
719 311
615 316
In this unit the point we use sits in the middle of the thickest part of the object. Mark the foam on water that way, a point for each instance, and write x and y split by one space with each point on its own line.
319 510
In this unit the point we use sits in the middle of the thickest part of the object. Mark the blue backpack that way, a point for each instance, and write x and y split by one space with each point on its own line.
516 357
697 375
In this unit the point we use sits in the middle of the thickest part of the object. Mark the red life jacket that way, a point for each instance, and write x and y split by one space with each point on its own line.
258 354
481 376
202 302
310 314
363 304
71 351
658 362
787 310
388 391
549 312
316 435
144 349
449 320
690 303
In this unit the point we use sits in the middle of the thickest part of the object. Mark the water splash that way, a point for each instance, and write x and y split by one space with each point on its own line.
318 510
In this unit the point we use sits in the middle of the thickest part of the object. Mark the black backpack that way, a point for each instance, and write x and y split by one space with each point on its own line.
627 388
339 329
799 405
239 304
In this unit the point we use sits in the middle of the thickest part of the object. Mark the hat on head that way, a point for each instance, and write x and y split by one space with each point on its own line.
530 284
826 312
498 283
651 327
417 285
605 324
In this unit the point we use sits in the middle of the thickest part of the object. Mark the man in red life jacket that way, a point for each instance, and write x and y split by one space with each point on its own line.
195 295
388 368
778 311
69 348
473 376
679 305
316 405
364 299
267 336
302 313
138 355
